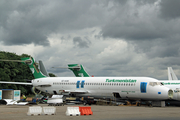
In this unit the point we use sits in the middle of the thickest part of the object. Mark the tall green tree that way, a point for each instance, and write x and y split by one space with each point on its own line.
14 72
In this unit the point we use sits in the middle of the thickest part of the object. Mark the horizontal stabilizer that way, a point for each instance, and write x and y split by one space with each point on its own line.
77 91
20 83
44 85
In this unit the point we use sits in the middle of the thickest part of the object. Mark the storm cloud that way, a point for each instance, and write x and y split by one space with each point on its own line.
109 37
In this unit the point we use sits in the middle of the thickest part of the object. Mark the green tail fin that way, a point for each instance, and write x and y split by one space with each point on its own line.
78 70
31 63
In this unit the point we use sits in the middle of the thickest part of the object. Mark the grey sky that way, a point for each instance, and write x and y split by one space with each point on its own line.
109 37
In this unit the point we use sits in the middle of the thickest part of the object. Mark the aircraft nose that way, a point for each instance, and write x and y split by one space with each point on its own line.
170 94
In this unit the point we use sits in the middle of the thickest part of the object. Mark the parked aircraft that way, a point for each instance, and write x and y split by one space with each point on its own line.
173 83
131 88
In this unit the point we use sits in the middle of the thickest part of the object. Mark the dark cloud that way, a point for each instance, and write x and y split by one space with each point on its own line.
170 9
132 31
25 22
146 31
142 2
150 27
135 24
81 43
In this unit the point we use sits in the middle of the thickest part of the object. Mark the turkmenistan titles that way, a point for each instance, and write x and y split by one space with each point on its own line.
118 80
170 83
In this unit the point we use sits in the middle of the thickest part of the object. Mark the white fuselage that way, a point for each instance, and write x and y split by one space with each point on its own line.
124 87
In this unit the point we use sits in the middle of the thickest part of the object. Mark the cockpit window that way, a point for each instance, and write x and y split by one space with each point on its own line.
155 83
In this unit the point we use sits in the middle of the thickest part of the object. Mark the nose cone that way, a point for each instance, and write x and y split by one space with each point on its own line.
160 93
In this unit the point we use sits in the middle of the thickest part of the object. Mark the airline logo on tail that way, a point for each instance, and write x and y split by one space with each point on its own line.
32 65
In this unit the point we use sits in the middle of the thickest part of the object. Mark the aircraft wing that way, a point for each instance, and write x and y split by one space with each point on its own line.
44 85
20 83
76 91
171 74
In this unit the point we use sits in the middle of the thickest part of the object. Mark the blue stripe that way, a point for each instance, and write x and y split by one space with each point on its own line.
77 84
82 84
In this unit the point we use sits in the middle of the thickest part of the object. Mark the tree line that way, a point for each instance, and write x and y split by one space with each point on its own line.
15 72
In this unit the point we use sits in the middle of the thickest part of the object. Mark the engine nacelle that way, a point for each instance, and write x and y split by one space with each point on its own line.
176 94
35 91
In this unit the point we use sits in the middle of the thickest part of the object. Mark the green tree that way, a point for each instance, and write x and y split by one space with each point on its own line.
14 72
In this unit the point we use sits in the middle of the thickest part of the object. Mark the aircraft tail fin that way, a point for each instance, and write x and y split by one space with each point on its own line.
42 68
171 74
32 65
78 70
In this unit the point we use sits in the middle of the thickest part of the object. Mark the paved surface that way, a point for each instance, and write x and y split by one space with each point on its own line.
99 113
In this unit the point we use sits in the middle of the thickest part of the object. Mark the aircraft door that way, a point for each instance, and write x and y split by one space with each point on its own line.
143 86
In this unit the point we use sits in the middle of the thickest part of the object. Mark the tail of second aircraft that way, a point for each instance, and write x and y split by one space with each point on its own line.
31 63
171 74
78 70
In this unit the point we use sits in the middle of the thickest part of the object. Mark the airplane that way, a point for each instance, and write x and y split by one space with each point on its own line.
173 83
123 88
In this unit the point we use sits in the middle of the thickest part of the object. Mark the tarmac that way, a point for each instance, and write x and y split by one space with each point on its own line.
15 112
